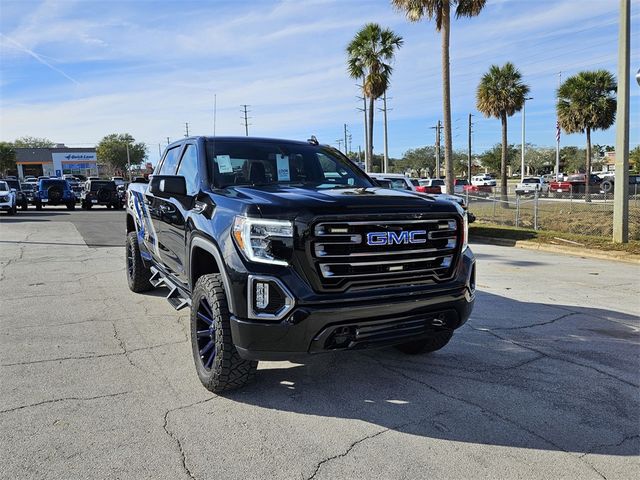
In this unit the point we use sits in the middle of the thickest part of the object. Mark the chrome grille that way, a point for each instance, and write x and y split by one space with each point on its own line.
384 251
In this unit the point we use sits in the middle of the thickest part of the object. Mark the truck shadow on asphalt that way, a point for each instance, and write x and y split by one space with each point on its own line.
518 374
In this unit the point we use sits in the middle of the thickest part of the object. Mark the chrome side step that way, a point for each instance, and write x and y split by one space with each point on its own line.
176 297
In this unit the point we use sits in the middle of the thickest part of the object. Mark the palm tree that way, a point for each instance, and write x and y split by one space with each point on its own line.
500 94
587 101
369 57
440 11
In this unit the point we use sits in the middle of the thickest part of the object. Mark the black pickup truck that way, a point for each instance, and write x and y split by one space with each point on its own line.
285 248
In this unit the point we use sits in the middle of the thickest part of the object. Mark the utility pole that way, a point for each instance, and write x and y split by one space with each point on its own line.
524 106
366 130
168 141
186 129
339 142
438 127
350 137
386 138
469 152
246 119
346 150
621 190
558 134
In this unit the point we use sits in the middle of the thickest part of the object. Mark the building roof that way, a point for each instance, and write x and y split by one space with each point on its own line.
43 155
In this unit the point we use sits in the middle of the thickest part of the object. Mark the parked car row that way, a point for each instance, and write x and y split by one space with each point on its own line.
55 191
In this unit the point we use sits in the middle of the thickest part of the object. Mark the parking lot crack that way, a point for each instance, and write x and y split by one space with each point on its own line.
561 317
122 345
561 359
176 439
62 359
320 464
482 408
64 399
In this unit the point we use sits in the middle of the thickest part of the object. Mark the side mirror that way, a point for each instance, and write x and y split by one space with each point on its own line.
168 185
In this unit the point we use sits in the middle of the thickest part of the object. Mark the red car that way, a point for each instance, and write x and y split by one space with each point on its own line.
575 184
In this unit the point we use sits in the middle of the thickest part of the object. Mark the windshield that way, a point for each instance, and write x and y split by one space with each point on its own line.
531 180
13 184
27 186
4 186
97 185
50 183
437 183
462 182
241 163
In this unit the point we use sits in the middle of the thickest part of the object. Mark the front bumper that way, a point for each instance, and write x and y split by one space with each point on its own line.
357 323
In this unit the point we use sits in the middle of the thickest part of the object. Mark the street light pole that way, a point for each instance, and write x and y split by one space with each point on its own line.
524 114
128 162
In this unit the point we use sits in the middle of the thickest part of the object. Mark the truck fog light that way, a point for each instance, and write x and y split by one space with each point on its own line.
262 295
268 298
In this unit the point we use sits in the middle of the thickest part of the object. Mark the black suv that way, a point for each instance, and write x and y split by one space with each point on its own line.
22 200
100 192
285 248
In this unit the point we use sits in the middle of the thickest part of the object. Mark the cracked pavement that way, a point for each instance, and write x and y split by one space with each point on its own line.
98 382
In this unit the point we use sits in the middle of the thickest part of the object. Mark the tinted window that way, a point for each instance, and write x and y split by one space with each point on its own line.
462 182
414 182
398 184
270 163
189 169
170 162
95 186
437 183
531 180
13 184
4 186
50 183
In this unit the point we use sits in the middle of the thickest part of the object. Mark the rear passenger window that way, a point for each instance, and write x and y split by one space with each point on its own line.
189 169
170 162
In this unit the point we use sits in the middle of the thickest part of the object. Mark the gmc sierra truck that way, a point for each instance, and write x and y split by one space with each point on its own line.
285 248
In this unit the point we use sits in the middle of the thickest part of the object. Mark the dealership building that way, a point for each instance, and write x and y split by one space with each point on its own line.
56 161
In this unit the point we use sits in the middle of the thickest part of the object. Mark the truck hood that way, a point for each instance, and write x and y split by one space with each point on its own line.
290 201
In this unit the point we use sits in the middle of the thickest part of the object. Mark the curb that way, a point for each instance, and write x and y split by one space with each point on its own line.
577 252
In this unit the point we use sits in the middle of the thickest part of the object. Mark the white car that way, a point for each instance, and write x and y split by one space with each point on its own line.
433 182
7 198
119 181
532 184
396 181
483 181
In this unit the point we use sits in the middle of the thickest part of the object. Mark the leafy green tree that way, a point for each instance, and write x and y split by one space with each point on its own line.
492 159
500 94
7 157
537 158
440 11
634 159
416 159
112 150
32 142
369 57
586 102
572 159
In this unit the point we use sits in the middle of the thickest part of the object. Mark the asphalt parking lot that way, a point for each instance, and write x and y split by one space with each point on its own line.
98 382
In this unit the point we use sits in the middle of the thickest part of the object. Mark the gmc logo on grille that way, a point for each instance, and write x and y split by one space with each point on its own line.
395 238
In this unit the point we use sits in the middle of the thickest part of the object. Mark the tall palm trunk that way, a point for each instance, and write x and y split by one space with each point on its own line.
446 97
587 177
503 162
370 146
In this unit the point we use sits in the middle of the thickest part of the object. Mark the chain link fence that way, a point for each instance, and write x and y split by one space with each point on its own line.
561 212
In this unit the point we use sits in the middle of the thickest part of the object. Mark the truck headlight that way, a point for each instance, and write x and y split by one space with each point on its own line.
264 241
465 231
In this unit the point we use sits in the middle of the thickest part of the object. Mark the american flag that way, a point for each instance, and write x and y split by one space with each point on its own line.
557 131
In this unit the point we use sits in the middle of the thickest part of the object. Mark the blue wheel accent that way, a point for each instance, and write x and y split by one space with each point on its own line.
206 334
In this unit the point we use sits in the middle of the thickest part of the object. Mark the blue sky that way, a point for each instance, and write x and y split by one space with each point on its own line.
74 71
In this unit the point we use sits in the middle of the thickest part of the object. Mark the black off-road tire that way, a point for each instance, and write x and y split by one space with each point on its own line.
71 206
12 210
24 205
228 371
138 274
427 345
38 205
108 205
